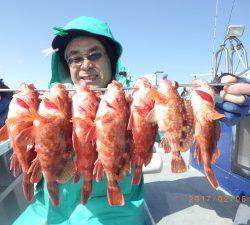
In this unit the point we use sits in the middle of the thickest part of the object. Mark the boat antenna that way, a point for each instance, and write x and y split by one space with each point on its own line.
230 16
214 35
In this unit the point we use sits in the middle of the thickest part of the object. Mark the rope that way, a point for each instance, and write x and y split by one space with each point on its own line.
214 70
230 16
214 35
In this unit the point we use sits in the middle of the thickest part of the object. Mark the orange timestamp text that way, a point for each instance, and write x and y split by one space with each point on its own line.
216 198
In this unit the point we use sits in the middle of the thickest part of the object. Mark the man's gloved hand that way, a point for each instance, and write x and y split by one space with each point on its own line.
234 100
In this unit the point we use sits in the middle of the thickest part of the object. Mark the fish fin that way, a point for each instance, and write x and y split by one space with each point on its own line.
22 103
129 99
115 196
49 104
98 170
212 114
178 164
86 191
137 175
140 110
28 188
151 116
107 118
157 96
165 145
14 165
53 193
112 106
35 116
35 171
197 154
91 135
60 104
82 110
130 122
149 157
10 121
26 136
4 134
75 119
205 96
75 142
215 155
211 177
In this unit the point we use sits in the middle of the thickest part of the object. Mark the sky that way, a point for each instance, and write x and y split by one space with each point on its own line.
174 36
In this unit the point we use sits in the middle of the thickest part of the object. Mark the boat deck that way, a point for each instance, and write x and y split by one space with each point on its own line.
188 198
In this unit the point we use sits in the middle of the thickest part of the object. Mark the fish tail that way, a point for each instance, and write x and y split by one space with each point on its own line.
115 196
28 188
165 145
53 193
178 164
215 155
98 170
14 165
36 173
86 191
137 175
149 157
77 176
197 153
211 177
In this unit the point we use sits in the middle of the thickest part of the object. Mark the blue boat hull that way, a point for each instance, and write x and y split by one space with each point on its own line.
233 183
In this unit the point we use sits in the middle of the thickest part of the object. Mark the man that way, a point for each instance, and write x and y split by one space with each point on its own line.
85 49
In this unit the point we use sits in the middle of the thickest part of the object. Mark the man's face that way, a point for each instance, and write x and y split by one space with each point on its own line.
87 60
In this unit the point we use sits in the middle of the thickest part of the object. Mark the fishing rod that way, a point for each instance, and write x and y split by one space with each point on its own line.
125 88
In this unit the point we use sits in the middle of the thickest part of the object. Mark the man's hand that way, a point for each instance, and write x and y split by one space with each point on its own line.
235 100
234 93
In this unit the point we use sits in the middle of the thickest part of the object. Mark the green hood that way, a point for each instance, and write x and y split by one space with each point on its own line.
82 26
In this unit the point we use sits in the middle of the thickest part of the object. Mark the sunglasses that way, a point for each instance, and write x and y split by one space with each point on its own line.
77 59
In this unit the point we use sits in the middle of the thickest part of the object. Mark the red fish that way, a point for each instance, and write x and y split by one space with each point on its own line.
20 121
207 127
52 136
167 113
187 135
143 131
112 144
84 108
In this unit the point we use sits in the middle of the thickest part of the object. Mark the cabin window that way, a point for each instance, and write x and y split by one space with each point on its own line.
241 153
